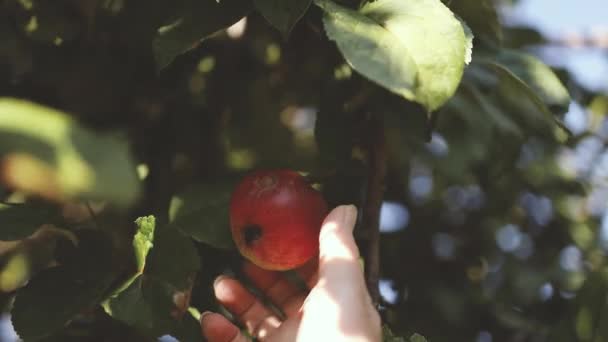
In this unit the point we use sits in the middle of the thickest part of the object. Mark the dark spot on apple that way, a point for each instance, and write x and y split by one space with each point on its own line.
252 232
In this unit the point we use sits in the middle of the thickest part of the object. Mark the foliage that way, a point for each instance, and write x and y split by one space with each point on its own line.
124 125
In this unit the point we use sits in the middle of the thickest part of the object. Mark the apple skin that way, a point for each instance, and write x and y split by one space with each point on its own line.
275 219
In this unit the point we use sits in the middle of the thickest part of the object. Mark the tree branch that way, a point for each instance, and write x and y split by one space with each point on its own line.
371 212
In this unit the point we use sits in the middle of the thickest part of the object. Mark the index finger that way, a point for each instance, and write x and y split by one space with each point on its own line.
338 252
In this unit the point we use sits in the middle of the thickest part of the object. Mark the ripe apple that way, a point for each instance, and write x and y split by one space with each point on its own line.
275 219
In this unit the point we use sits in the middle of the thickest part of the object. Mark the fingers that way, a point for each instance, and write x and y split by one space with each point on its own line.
279 289
216 328
258 320
339 303
338 252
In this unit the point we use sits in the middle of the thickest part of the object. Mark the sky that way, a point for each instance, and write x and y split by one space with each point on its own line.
557 18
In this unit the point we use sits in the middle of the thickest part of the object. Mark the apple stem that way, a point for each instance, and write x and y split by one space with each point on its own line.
376 157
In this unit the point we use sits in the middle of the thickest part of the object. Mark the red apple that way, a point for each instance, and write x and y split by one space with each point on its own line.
275 219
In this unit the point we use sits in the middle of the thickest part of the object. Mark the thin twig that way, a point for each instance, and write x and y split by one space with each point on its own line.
371 211
598 318
92 213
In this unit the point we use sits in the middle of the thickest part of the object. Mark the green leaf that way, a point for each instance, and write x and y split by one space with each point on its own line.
468 34
45 152
416 49
130 306
19 221
51 299
539 77
177 269
513 95
389 336
417 338
147 304
200 19
202 212
282 14
481 16
370 49
143 241
44 22
58 294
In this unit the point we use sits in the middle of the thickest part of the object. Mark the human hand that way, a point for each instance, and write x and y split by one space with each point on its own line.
338 308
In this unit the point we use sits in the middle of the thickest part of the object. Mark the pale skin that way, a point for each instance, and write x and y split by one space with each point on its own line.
338 307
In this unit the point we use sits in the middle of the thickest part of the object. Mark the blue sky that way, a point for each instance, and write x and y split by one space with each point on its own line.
555 18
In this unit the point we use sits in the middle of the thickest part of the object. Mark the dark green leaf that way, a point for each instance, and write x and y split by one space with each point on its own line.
52 298
416 49
56 295
489 110
282 14
44 22
520 37
202 212
130 306
148 305
388 336
21 220
164 263
45 152
514 96
405 129
539 77
200 19
155 301
417 338
481 16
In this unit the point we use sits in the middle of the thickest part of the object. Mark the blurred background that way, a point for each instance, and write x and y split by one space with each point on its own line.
489 233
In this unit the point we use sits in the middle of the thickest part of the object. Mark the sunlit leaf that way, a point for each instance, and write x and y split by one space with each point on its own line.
282 14
416 49
143 241
45 152
370 49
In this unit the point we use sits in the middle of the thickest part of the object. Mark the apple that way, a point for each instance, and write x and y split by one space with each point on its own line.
275 219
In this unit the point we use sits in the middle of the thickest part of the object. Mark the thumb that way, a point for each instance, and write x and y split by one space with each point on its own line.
338 252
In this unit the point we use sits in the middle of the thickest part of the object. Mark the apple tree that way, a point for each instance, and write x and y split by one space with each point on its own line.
125 124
